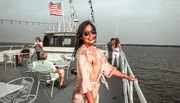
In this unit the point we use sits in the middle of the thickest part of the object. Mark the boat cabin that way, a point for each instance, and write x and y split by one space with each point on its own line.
59 44
59 39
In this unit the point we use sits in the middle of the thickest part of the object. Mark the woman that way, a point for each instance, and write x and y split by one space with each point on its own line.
91 66
38 45
116 52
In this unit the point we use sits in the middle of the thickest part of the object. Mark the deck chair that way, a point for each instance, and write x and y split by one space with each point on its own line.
31 99
21 95
45 78
66 59
9 59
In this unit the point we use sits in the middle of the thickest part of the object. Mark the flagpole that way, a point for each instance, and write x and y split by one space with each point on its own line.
72 15
59 22
116 29
59 29
49 26
63 15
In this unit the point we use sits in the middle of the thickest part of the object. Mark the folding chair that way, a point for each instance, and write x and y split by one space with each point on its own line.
9 59
21 95
45 78
31 99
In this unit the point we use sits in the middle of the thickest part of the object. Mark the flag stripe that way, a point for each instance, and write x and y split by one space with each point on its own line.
56 9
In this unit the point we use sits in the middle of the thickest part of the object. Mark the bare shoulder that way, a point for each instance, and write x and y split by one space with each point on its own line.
119 45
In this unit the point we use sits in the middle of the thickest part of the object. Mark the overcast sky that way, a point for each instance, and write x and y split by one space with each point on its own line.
139 21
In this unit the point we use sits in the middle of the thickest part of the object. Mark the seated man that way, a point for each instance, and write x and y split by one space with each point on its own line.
44 65
25 53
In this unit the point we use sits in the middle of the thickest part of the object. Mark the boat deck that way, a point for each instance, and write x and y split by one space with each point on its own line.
114 95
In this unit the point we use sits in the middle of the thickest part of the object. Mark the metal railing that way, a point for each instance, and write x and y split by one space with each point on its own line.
127 85
10 48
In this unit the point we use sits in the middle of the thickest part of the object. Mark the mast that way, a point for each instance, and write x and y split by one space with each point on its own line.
91 12
74 18
64 25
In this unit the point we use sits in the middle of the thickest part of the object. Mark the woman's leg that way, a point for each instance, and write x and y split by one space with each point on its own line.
113 58
120 59
117 59
38 55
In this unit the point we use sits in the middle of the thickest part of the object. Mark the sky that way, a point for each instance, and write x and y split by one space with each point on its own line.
134 21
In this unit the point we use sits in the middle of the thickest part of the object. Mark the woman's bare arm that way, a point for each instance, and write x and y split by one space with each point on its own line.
119 45
121 75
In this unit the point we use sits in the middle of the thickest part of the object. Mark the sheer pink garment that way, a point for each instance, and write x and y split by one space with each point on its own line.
91 67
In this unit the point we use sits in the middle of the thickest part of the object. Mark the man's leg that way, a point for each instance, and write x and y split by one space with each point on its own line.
20 59
109 57
61 76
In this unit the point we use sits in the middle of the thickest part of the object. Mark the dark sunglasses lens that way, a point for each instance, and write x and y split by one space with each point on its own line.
86 33
93 32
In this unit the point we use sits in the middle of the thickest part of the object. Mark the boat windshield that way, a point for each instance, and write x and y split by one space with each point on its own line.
59 41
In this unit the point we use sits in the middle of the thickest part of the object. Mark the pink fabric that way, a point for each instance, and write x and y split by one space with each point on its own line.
90 63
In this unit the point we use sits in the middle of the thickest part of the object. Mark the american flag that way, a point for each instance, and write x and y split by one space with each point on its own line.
56 9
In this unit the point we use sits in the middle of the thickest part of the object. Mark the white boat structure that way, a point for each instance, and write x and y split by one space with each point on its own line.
60 44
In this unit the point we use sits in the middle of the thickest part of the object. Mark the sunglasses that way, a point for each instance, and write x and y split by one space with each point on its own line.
86 33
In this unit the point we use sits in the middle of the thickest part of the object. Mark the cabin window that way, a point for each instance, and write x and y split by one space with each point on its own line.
59 41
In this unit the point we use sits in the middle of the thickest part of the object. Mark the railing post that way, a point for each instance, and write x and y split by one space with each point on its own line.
131 92
124 70
128 86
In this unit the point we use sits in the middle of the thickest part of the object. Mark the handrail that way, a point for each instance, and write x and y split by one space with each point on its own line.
128 86
10 48
13 46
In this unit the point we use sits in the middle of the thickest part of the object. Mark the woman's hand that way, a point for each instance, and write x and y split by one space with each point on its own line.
37 42
122 75
132 79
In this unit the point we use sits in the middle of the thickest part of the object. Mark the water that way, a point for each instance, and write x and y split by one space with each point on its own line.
158 72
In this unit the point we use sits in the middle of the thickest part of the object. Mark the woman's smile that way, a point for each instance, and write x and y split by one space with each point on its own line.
89 36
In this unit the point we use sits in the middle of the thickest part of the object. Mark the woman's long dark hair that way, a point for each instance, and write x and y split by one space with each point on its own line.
38 39
79 34
116 42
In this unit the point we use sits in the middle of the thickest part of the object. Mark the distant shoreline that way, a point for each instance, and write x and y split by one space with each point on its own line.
141 45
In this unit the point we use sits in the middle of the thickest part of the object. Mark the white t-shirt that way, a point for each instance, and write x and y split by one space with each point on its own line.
38 48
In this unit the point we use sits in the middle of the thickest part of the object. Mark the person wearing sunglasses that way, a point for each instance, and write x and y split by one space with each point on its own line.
91 65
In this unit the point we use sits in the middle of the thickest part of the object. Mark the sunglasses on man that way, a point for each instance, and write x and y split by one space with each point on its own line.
86 33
